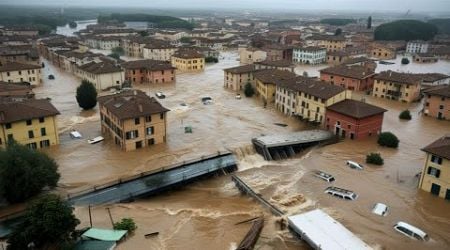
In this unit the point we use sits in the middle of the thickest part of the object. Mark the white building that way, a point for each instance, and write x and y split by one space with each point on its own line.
414 47
20 72
309 55
103 75
159 51
251 55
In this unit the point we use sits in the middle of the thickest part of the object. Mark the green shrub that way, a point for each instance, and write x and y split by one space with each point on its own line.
374 158
405 115
388 139
248 90
126 224
211 59
405 61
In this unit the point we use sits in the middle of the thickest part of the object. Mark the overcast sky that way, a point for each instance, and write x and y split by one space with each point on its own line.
367 5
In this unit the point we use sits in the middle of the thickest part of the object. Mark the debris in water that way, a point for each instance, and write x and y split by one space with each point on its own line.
281 124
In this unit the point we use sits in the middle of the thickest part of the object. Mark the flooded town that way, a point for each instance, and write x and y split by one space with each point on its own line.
205 126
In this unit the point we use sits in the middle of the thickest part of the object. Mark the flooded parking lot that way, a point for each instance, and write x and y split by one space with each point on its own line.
202 215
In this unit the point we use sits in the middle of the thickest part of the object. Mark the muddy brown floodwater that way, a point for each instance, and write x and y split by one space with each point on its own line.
202 215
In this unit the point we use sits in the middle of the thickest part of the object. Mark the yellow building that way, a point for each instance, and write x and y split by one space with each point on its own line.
235 78
332 43
397 86
20 72
435 176
188 60
133 119
29 122
266 80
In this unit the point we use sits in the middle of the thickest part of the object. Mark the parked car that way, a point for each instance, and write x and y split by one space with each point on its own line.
355 165
411 231
324 176
160 95
51 77
206 100
380 209
341 193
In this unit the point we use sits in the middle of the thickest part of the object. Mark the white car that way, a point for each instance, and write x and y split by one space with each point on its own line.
380 209
355 165
341 193
411 231
238 96
160 95
324 176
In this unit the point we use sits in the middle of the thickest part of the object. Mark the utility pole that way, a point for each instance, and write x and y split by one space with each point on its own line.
110 216
90 215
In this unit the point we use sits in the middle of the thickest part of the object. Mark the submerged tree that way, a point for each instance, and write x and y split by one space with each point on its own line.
248 90
118 50
86 95
388 139
338 32
125 224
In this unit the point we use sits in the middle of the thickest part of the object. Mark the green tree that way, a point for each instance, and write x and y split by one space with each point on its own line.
118 50
305 74
369 22
72 24
338 32
374 158
211 59
48 223
248 90
24 172
405 115
405 61
115 56
405 30
388 139
143 33
125 224
337 21
185 39
86 95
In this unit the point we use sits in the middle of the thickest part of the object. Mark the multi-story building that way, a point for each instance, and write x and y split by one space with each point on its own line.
414 47
188 60
384 51
251 55
435 176
330 42
277 52
235 78
266 82
309 55
159 51
103 75
20 72
19 53
133 119
29 122
15 92
392 85
425 58
437 102
354 119
357 78
280 64
149 71
103 42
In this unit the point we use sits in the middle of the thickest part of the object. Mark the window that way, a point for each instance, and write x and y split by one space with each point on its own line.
161 116
441 106
32 145
436 159
150 131
30 134
41 120
44 143
131 134
43 132
8 125
349 126
137 121
29 122
434 172
338 123
148 118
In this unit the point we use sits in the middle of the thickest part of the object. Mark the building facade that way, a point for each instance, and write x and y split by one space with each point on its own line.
437 102
235 78
251 55
159 51
266 82
396 86
149 71
414 47
309 55
103 75
188 60
435 177
133 119
357 78
20 72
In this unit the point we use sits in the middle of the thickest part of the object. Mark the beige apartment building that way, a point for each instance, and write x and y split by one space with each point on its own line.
20 72
435 177
397 86
159 51
266 82
188 60
437 102
235 78
251 55
133 119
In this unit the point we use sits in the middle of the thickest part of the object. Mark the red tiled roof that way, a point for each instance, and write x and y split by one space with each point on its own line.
356 109
25 110
440 147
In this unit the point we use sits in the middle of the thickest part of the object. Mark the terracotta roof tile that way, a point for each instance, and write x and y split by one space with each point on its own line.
442 90
355 71
356 109
148 65
440 147
25 110
15 66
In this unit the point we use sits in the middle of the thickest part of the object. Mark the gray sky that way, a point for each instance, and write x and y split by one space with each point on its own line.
367 5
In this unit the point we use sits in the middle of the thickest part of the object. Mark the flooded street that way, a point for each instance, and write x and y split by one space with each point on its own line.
202 215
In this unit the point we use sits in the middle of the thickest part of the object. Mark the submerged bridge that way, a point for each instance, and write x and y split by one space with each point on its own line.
156 181
277 147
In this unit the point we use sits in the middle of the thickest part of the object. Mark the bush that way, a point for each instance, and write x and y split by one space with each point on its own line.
48 222
126 224
118 50
374 158
24 172
388 139
115 56
405 115
248 90
211 59
338 32
86 95
405 61
72 25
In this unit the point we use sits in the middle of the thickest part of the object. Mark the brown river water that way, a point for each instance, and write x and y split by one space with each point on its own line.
203 214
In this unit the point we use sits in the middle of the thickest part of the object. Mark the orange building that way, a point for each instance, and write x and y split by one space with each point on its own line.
358 78
437 102
149 71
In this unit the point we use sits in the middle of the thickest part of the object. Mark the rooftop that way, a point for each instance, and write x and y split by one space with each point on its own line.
188 54
398 77
147 64
273 75
241 69
15 66
311 86
440 147
441 90
278 63
355 71
293 138
310 48
100 68
356 109
131 104
26 110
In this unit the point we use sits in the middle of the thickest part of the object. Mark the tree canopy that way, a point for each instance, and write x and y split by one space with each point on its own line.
24 172
442 24
48 223
158 21
337 21
405 30
86 95
388 139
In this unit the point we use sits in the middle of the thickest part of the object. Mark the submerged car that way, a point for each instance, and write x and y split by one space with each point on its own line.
51 77
238 96
206 100
380 209
341 193
355 165
160 95
411 231
324 176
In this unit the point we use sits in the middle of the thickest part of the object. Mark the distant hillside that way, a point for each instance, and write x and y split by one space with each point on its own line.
405 30
337 21
158 21
443 25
